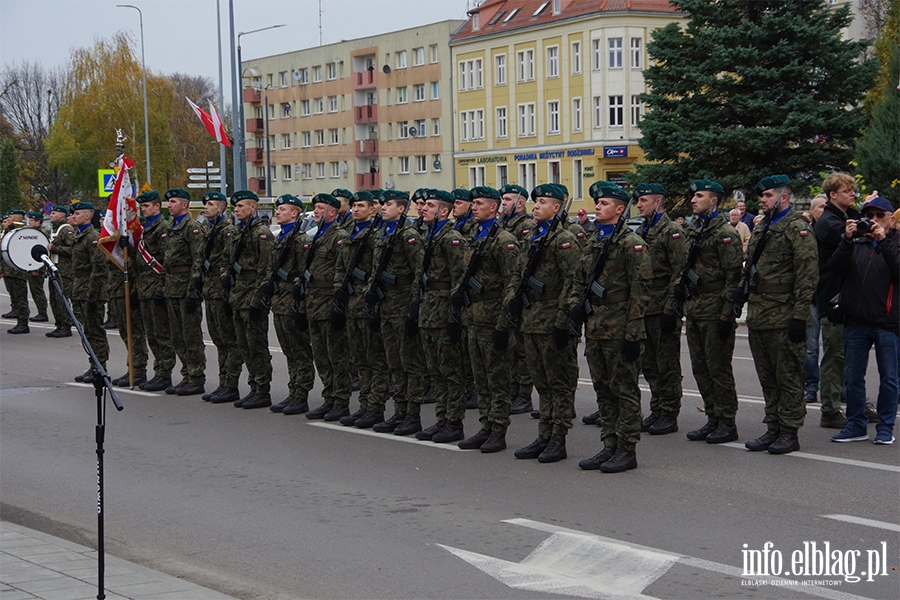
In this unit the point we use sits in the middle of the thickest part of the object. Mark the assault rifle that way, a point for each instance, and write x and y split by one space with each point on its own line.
271 286
687 283
229 278
748 284
204 266
381 276
353 271
299 291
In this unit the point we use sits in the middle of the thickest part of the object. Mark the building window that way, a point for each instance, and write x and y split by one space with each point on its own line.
476 22
502 175
436 163
615 53
470 75
320 105
419 92
435 90
286 140
433 51
616 111
260 172
577 179
637 111
402 95
598 111
307 170
317 73
525 61
404 164
418 56
304 108
421 164
501 123
553 116
526 120
285 79
435 127
335 170
401 59
576 114
273 142
269 81
271 114
500 68
476 176
334 136
286 172
553 61
331 71
637 53
509 17
307 139
332 104
402 130
320 137
420 127
527 175
285 110
553 171
471 125
598 56
540 9
557 6
273 172
576 58
304 76
320 170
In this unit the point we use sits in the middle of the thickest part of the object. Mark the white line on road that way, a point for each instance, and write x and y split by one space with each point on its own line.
831 459
387 436
866 522
118 390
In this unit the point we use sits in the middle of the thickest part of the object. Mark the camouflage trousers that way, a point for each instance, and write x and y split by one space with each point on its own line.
404 356
521 377
253 343
445 367
220 324
36 285
661 364
187 340
139 355
367 354
60 316
331 353
155 315
831 372
779 366
492 373
18 298
616 384
298 353
711 364
555 376
91 318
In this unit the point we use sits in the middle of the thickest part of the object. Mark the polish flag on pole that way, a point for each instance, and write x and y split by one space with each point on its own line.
121 219
212 122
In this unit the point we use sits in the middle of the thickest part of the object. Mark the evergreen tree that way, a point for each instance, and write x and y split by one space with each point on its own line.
10 193
749 88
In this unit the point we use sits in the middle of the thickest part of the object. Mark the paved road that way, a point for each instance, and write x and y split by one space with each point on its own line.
258 505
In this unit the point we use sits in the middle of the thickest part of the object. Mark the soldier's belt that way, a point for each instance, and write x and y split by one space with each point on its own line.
610 298
245 275
496 295
437 285
715 286
772 288
399 282
178 270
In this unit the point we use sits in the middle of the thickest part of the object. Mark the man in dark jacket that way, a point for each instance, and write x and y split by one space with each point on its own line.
868 259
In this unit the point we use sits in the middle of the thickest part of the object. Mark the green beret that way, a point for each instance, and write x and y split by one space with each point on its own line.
35 215
705 185
513 189
440 195
289 199
484 191
363 196
149 196
420 194
82 206
461 194
562 188
243 195
595 187
547 190
643 189
608 191
396 195
658 189
17 211
61 208
342 193
377 194
772 181
326 199
218 196
178 193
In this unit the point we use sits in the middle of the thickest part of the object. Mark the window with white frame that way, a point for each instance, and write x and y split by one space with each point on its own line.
419 126
557 6
285 78
527 175
576 58
404 164
435 90
553 116
304 108
317 73
552 62
421 163
526 120
332 104
402 95
436 126
637 53
320 170
402 130
500 69
334 136
598 111
271 114
307 170
401 59
286 141
553 171
260 172
470 75
436 163
525 62
320 137
502 132
615 53
418 56
273 142
471 125
476 176
577 179
307 139
616 111
637 111
320 105
286 172
273 173
335 169
433 51
304 75
576 114
331 71
285 110
597 54
502 175
419 92
269 83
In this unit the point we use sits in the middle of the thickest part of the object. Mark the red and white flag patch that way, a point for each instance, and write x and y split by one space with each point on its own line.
196 231
262 237
455 242
638 248
411 241
566 245
580 235
676 236
340 242
726 240
510 246
804 233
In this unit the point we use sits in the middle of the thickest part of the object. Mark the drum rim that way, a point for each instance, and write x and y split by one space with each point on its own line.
14 234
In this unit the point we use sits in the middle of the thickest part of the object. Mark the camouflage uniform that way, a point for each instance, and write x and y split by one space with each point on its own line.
617 317
88 291
581 234
62 247
218 240
16 281
150 285
466 228
182 263
661 357
718 267
786 278
521 226
115 289
36 285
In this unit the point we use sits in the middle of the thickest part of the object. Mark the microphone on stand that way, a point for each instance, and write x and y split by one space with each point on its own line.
40 253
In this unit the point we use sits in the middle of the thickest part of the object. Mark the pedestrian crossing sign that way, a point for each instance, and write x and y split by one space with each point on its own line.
106 181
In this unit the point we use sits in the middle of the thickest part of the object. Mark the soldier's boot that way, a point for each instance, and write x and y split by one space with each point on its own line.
411 424
318 413
495 442
648 421
451 432
476 441
59 332
80 378
261 400
193 388
663 426
248 398
336 413
125 380
621 461
534 449
19 329
723 433
298 406
368 419
522 404
535 414
89 375
698 435
835 420
593 463
592 419
39 318
762 442
226 394
350 419
427 434
785 444
430 396
173 389
10 315
205 397
556 449
391 424
157 384
471 400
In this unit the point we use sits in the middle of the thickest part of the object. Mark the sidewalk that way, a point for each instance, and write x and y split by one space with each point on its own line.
37 565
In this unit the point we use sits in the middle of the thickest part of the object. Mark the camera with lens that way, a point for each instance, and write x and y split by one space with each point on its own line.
863 226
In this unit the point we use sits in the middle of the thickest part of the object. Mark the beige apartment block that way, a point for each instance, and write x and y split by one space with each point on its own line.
362 114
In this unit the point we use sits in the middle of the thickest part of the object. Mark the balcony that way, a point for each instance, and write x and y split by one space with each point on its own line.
364 80
255 155
255 126
365 181
252 96
257 185
366 114
366 148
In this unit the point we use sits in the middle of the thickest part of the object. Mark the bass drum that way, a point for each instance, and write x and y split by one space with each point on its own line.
16 248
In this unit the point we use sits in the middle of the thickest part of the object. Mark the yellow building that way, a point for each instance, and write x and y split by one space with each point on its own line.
549 91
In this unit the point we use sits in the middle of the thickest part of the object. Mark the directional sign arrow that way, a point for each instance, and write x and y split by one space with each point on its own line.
197 177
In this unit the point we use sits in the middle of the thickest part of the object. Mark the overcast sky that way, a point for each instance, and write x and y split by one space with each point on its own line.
180 35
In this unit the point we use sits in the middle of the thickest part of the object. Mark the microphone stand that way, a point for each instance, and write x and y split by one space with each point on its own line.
101 384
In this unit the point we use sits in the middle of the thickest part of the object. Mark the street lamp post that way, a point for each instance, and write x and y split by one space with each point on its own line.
144 74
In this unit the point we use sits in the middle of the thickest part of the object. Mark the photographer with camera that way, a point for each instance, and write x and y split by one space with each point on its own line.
868 259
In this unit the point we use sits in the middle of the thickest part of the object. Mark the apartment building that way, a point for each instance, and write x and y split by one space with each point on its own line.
549 90
362 114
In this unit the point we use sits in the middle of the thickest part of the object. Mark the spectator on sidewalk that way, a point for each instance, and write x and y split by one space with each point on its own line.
811 364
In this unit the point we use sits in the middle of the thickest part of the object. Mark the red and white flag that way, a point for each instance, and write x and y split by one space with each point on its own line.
211 121
121 219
